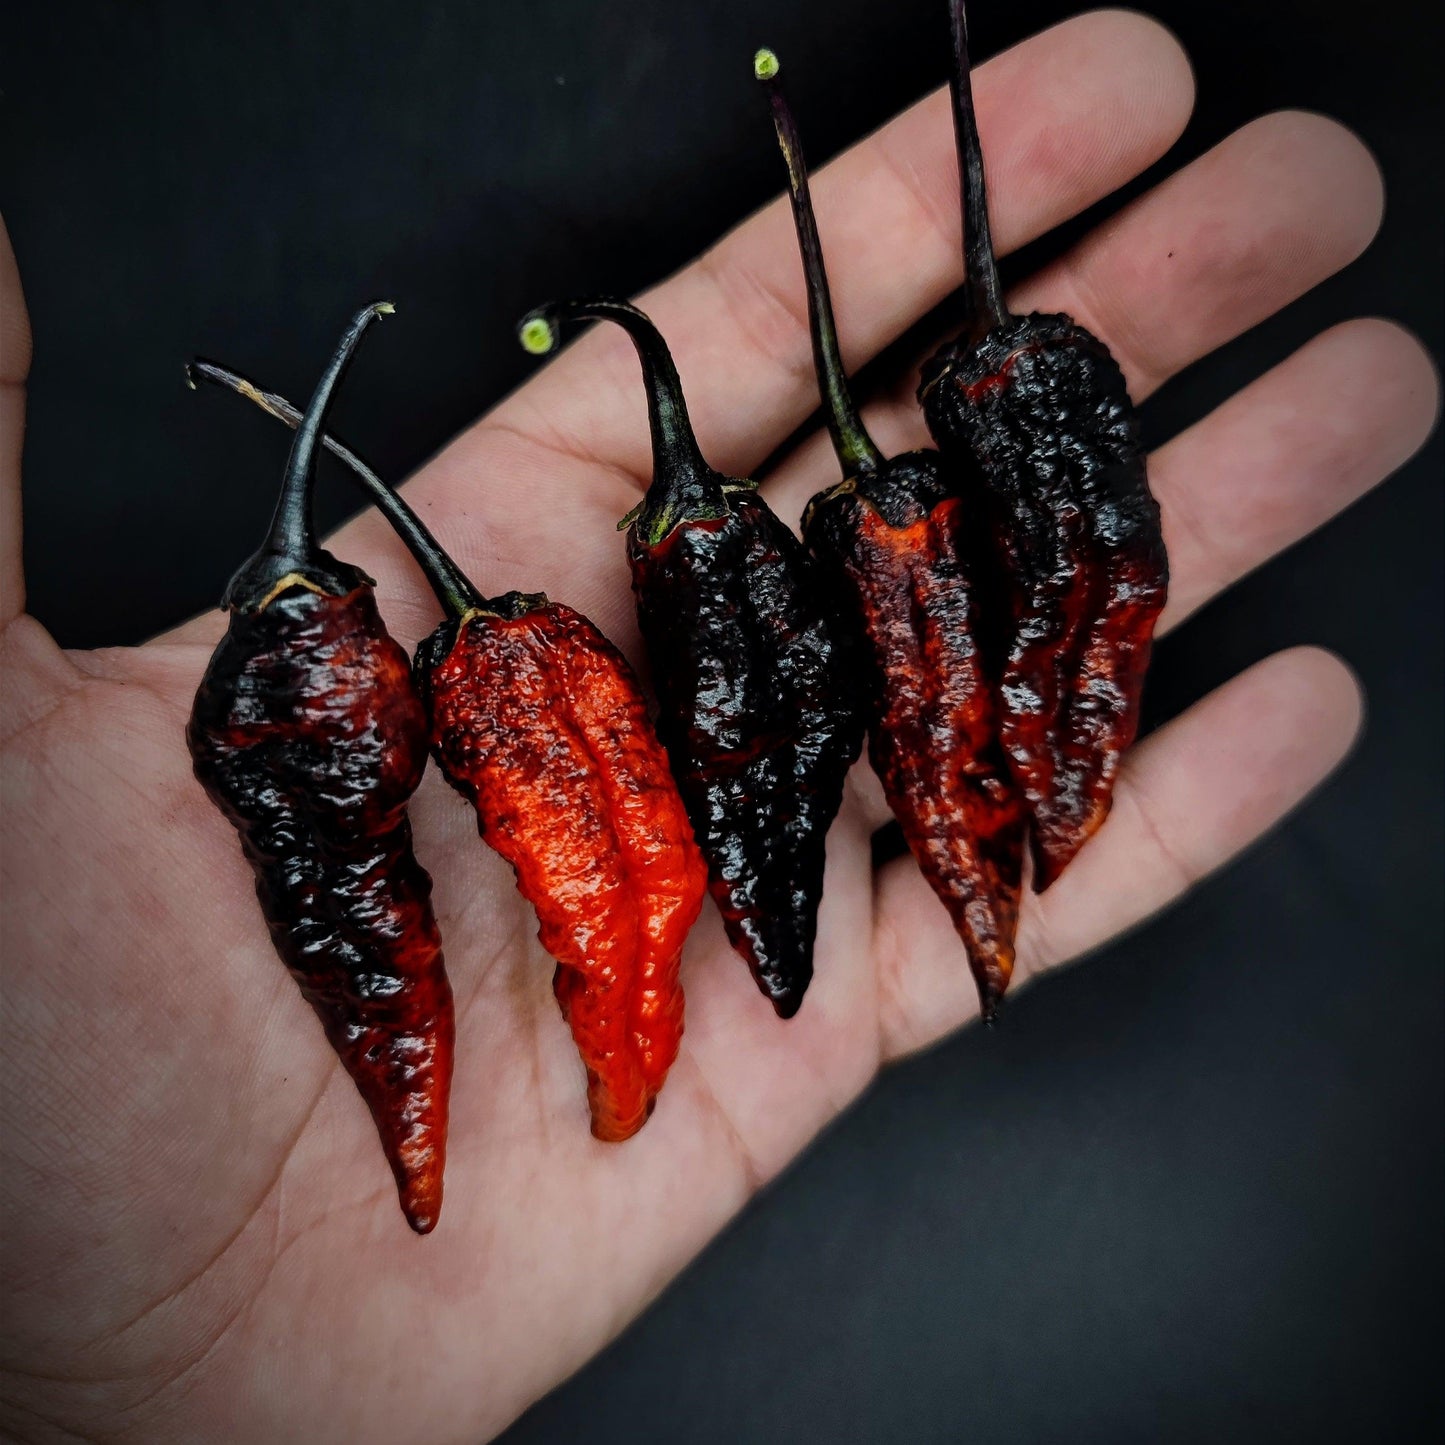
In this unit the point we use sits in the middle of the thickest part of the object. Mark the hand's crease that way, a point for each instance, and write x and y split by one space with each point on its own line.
794 361
888 989
54 1424
938 210
248 1218
1135 799
1093 308
753 1174
77 679
558 444
1035 952
248 1303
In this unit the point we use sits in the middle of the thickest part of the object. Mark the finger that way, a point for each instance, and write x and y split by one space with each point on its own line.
14 368
1271 211
1068 116
1189 798
1287 453
1254 223
1071 115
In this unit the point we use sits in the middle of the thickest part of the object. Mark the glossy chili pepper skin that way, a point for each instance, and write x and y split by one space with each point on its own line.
1041 407
1036 409
890 537
309 735
893 540
539 722
758 718
757 706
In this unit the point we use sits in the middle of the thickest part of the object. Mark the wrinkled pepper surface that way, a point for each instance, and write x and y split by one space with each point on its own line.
891 536
309 735
1037 410
539 722
757 709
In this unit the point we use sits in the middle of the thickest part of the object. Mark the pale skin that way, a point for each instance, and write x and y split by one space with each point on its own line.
201 1239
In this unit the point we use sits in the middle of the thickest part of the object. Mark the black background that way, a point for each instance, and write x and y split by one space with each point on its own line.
1191 1191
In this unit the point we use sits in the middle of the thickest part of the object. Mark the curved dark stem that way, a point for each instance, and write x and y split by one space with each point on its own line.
983 295
683 485
291 533
454 591
855 448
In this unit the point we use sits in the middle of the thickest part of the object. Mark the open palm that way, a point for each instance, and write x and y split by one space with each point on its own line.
201 1236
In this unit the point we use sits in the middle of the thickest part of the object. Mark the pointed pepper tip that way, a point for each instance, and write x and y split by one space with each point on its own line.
420 1197
787 1004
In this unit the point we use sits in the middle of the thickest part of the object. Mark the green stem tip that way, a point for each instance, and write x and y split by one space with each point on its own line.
537 335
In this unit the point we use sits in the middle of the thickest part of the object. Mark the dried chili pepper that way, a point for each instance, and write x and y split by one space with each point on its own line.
538 721
756 711
1039 408
891 535
307 732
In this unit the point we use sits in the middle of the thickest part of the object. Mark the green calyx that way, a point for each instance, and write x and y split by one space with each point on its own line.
765 64
653 519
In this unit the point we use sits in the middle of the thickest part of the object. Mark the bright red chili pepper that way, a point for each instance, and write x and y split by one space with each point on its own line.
538 720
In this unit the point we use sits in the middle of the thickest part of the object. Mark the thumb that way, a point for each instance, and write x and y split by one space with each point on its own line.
14 367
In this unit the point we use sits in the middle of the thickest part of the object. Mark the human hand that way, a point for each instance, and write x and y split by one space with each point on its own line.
201 1235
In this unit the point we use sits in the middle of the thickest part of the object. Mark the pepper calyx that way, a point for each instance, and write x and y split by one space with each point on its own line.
510 605
268 575
694 499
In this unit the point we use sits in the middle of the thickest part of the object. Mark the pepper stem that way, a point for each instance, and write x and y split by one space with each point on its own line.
454 591
855 448
683 486
983 295
291 534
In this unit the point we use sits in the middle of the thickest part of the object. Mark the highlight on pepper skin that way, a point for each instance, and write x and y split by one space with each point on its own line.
528 703
308 734
756 706
1075 531
891 538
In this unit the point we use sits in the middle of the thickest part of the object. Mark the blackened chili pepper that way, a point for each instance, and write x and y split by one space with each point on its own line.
756 710
891 535
1039 408
538 721
307 732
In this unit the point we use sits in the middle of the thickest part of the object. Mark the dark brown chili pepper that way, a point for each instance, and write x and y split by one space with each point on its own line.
1039 409
307 732
756 712
538 721
891 535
